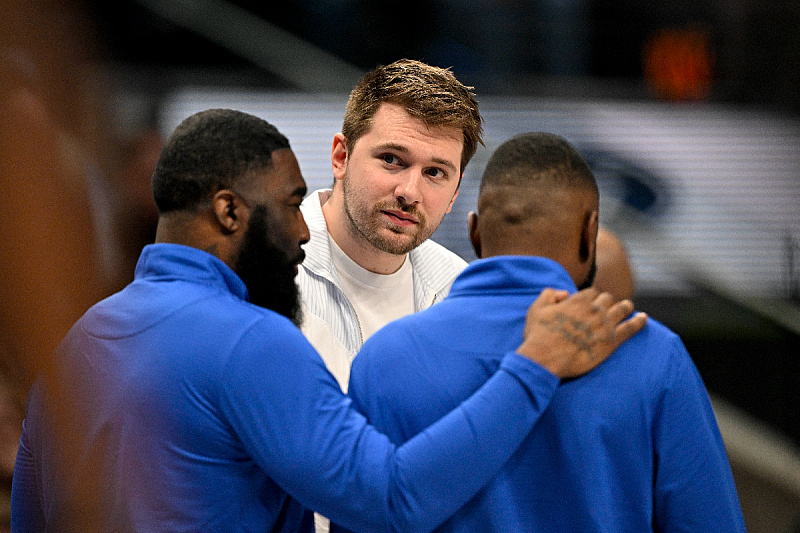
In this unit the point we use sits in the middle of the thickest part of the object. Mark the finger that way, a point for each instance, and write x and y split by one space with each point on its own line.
548 297
602 302
619 311
629 328
588 294
560 295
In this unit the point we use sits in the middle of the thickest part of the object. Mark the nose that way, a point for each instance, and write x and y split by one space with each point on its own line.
408 190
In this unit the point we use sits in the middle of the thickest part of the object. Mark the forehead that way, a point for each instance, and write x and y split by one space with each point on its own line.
392 123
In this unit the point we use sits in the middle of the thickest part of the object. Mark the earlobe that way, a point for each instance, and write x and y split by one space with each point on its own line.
339 156
474 234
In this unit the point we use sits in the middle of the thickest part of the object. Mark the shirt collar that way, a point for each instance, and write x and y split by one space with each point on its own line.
176 261
512 273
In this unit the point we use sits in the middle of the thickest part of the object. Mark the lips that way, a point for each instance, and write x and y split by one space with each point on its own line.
400 217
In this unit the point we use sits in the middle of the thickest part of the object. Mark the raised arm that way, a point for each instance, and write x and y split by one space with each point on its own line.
328 457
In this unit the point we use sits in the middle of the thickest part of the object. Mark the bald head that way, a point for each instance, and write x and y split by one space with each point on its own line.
538 197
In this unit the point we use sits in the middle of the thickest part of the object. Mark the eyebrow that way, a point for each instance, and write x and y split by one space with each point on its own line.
403 149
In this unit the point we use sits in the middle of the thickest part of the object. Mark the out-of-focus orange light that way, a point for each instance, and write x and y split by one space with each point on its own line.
677 64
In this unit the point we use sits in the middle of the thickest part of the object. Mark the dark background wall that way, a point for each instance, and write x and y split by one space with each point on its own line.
501 46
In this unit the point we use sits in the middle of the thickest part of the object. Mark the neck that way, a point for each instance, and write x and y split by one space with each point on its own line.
176 227
352 243
191 229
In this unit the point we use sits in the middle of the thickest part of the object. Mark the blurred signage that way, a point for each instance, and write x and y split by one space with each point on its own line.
677 64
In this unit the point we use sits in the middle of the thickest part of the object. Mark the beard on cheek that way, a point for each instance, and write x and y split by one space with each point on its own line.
267 270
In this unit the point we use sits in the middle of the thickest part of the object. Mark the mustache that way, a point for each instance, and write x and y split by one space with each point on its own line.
399 206
410 209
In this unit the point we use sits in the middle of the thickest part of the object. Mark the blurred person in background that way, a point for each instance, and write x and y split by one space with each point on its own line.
614 271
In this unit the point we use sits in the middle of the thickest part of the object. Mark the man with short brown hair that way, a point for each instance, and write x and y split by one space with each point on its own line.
409 130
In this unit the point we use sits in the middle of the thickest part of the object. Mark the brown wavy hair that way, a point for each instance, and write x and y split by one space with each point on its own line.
429 93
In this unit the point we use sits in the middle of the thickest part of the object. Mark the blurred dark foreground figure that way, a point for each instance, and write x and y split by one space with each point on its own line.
50 127
199 405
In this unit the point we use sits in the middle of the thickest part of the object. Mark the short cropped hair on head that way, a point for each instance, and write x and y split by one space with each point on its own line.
210 151
542 158
429 93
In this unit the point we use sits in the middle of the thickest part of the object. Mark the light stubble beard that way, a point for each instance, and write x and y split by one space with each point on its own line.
367 224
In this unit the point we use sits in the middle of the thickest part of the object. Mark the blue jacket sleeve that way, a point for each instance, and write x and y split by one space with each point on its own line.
305 434
26 506
694 486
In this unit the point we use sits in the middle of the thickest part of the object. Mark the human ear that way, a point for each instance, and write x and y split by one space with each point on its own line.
589 237
228 210
339 156
474 233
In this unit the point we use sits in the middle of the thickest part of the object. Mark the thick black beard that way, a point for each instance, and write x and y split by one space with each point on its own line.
589 277
267 270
